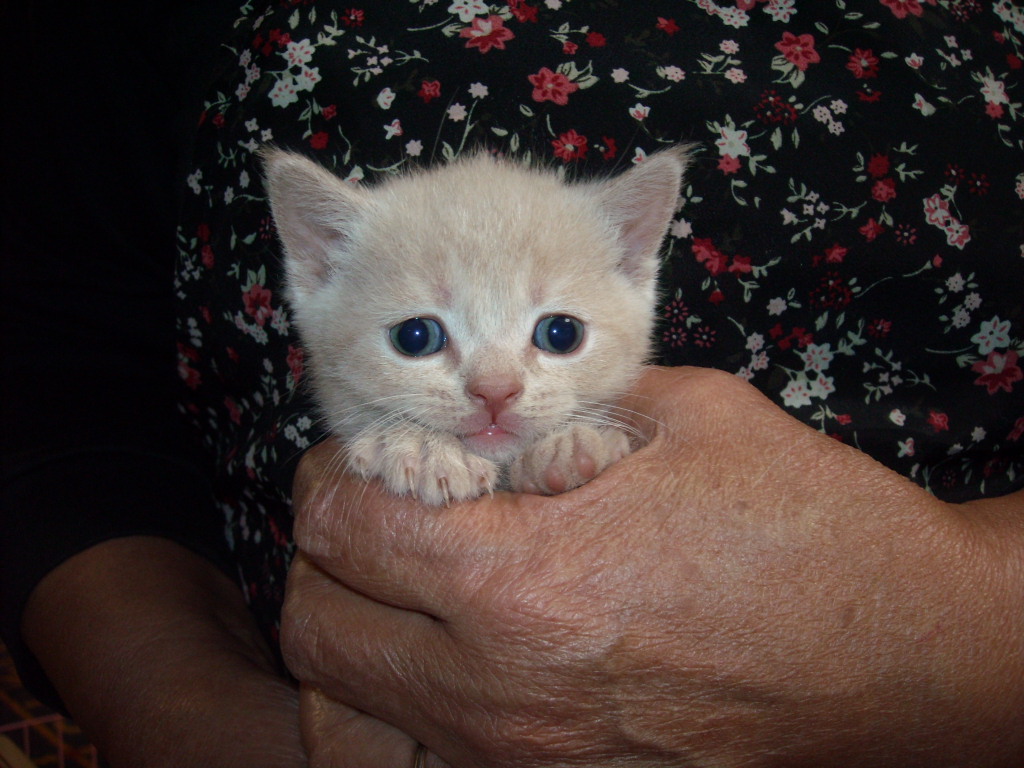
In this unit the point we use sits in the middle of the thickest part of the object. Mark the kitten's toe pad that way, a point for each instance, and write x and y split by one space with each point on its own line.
567 459
436 469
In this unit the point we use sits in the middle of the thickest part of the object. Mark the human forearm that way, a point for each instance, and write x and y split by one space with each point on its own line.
158 659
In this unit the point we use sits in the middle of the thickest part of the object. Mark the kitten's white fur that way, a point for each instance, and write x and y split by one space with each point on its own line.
488 248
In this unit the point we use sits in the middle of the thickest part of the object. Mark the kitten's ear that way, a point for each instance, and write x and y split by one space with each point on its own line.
640 204
315 213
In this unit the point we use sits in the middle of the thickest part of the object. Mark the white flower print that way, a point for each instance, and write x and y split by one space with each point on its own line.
283 93
781 10
457 113
307 79
673 73
994 90
478 90
385 98
468 9
797 392
923 106
776 306
298 53
994 334
414 148
733 142
681 228
897 417
816 358
620 75
193 180
639 111
735 75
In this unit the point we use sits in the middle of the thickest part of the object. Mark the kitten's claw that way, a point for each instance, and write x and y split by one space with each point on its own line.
434 468
567 459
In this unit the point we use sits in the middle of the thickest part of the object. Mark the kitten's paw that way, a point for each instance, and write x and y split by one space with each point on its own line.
434 468
567 459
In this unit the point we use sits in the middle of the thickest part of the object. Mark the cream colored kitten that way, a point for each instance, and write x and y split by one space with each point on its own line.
471 326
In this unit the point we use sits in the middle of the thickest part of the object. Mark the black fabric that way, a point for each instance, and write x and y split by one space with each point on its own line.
95 131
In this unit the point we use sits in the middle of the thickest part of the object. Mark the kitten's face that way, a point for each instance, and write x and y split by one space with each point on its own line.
481 299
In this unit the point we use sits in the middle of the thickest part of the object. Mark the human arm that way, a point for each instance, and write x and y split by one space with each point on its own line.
744 590
158 659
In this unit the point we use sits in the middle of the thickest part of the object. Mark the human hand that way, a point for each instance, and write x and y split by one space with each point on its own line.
744 590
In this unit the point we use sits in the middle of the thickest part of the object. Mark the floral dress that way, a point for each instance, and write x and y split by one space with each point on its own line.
850 238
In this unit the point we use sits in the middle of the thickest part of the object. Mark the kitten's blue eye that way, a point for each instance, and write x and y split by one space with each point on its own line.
418 337
558 334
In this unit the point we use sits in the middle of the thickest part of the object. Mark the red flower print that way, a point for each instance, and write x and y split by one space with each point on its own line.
708 255
1018 430
884 190
674 337
677 310
257 304
570 146
234 413
596 40
1013 61
978 184
740 265
835 254
611 148
203 232
296 361
318 140
668 26
999 372
353 17
879 328
728 164
330 111
188 374
832 292
902 8
863 64
569 48
429 90
871 229
938 421
878 166
486 34
552 86
798 50
208 259
716 298
705 336
774 110
522 11
992 109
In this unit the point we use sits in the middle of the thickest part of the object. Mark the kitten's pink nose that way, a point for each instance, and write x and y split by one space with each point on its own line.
495 394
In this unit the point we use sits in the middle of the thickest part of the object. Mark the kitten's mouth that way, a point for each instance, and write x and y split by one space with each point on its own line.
493 442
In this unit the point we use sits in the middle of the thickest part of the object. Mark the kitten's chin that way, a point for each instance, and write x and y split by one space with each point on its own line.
494 443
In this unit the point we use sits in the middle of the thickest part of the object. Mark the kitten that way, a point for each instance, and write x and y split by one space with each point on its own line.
470 327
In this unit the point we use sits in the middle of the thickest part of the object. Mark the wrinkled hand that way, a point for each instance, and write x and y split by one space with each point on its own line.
744 590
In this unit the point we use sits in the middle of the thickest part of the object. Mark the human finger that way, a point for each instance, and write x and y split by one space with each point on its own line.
336 735
397 550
